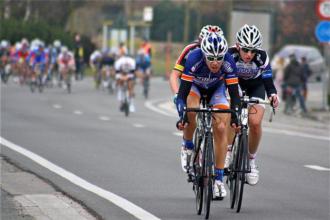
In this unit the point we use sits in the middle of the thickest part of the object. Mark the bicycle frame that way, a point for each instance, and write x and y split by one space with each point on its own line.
203 160
240 164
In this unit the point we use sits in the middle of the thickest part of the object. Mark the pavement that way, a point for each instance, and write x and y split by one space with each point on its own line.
25 196
29 197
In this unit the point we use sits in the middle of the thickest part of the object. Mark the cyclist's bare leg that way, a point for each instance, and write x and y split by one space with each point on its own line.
230 134
220 133
130 88
256 114
192 102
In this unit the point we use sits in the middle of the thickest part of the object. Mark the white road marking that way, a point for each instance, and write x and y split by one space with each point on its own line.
296 134
77 112
115 199
150 105
104 118
138 125
316 167
57 106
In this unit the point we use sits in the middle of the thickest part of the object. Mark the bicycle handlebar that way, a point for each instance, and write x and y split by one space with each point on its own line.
206 110
259 101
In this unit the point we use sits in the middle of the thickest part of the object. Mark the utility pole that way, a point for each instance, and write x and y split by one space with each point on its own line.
186 22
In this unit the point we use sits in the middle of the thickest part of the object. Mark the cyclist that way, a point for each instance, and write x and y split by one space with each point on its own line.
53 66
38 60
95 63
4 60
125 68
107 67
66 63
255 77
22 53
208 71
179 65
143 64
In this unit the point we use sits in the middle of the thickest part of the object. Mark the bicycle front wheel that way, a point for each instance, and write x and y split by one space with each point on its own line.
198 164
208 177
243 167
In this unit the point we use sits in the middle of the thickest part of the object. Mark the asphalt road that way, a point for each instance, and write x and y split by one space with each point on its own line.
137 158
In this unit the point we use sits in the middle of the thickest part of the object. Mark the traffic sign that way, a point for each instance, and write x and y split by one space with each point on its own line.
322 31
323 9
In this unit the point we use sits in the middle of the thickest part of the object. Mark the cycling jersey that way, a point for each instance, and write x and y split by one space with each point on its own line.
37 57
126 65
180 63
107 61
197 74
66 59
143 62
196 71
255 74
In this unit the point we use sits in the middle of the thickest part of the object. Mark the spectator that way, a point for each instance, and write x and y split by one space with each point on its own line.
306 74
79 57
294 81
278 68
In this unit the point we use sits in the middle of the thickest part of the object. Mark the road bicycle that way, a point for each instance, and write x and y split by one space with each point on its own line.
239 165
201 170
125 98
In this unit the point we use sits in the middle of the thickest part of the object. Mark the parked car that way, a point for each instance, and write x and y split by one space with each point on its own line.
313 56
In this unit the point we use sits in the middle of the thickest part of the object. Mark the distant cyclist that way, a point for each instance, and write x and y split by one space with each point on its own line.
66 64
143 63
95 60
38 61
209 71
180 63
125 68
255 77
107 67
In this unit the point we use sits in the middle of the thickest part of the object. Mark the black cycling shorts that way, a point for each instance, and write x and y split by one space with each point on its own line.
253 87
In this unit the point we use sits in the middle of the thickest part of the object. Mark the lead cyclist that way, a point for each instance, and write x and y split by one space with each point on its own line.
255 77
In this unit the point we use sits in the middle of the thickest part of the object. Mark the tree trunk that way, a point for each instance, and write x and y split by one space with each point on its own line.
27 11
6 14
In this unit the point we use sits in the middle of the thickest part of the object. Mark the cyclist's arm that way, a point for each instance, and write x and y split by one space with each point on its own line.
267 78
232 85
174 80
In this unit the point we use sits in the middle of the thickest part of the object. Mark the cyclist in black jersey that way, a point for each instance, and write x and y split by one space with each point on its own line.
255 78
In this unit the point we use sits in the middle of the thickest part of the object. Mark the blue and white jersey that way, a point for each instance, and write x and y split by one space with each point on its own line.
259 66
197 71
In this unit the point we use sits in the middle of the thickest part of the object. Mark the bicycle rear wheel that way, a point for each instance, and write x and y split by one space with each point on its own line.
208 177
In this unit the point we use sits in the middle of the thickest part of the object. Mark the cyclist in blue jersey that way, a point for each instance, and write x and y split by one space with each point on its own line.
38 58
256 79
180 63
209 71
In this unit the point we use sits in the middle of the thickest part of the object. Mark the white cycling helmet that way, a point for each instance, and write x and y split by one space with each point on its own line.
214 45
249 37
64 49
207 29
57 43
4 44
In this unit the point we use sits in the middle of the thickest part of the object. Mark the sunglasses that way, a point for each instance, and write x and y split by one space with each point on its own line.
246 50
211 59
